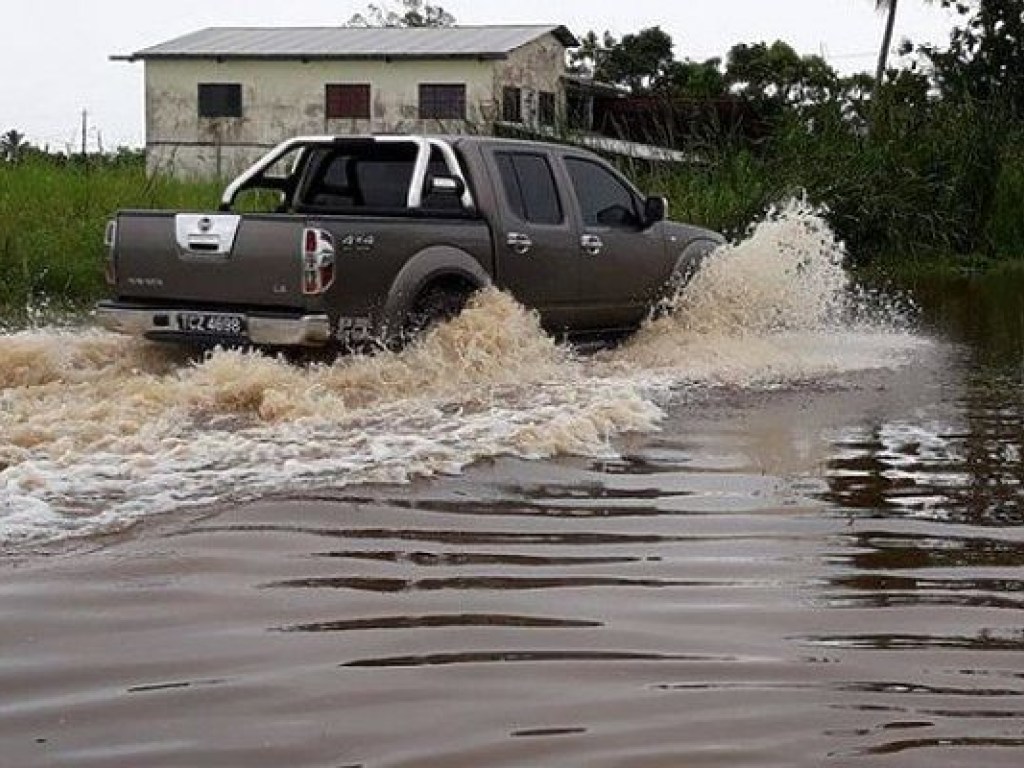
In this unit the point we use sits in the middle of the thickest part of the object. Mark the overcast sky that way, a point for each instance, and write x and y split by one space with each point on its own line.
54 54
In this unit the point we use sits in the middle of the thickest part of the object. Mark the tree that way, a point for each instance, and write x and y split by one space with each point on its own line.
588 57
699 81
414 13
985 59
889 7
12 145
777 75
637 61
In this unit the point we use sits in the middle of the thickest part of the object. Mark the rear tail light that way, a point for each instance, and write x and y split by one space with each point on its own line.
109 240
317 261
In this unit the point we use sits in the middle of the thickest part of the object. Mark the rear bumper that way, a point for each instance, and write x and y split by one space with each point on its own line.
262 328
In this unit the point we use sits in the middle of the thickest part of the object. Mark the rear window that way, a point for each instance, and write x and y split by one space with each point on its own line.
365 175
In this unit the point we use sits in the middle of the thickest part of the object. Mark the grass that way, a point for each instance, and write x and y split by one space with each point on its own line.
1005 228
725 194
924 188
52 218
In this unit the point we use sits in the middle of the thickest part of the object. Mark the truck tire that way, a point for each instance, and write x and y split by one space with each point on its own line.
687 265
437 303
690 261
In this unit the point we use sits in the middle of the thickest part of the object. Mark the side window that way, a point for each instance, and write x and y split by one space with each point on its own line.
442 101
220 100
546 108
512 105
604 200
347 101
510 183
529 187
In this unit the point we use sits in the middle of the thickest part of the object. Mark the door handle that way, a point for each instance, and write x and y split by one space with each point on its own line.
591 244
519 242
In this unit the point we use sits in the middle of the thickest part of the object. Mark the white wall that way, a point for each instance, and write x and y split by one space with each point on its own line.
287 98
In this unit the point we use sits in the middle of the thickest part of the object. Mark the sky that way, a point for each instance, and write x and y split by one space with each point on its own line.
55 54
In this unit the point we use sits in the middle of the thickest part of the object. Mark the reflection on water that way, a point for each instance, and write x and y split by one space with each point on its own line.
437 622
967 470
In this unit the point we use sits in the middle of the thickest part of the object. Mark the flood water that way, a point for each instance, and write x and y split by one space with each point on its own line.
782 527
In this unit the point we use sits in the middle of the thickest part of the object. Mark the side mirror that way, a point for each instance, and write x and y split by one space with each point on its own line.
655 210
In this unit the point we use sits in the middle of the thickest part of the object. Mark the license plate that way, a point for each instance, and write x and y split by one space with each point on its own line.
212 323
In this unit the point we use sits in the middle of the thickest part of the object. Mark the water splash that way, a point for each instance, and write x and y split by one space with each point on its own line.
97 431
777 306
740 290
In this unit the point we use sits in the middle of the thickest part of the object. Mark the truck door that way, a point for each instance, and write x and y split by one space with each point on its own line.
537 253
624 264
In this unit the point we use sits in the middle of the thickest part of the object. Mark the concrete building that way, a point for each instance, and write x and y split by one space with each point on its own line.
218 98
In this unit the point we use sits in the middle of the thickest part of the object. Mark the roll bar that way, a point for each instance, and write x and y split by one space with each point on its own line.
414 198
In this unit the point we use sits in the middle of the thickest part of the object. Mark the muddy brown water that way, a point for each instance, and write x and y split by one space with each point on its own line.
621 563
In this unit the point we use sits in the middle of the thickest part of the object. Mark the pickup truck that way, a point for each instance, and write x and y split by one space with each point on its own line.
349 241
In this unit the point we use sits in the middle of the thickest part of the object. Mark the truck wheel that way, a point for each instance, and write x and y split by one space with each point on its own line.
437 304
687 265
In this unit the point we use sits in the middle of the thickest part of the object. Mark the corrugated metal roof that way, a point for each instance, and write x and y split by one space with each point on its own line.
352 42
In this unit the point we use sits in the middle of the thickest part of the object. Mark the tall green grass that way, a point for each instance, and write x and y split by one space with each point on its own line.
725 192
935 184
1005 228
52 218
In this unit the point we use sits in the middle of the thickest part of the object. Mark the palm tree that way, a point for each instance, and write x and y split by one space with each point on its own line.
12 144
889 6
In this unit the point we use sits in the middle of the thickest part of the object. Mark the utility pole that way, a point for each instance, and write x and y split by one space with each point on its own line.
85 130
